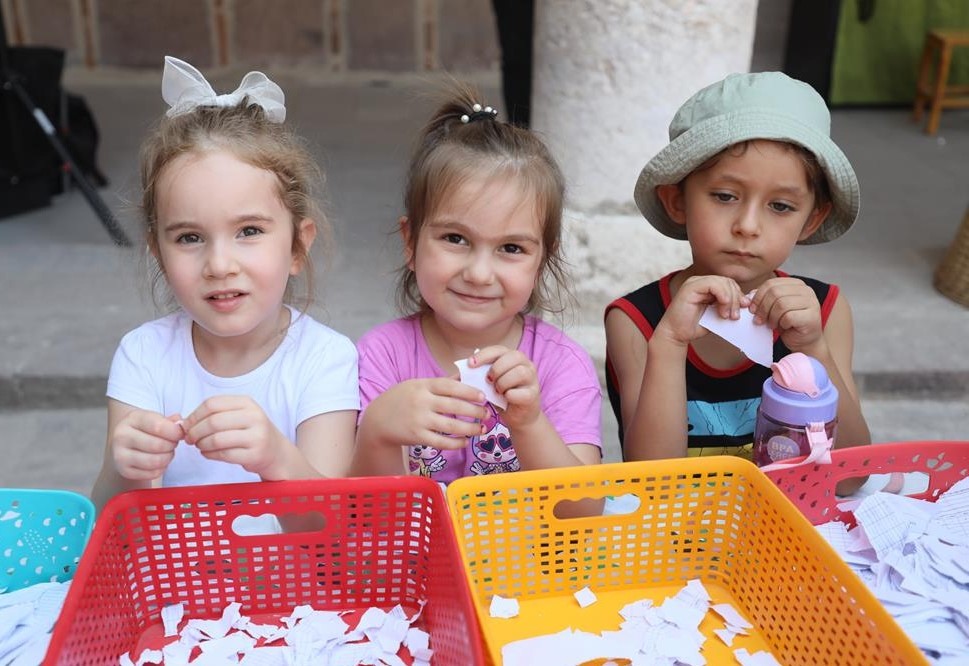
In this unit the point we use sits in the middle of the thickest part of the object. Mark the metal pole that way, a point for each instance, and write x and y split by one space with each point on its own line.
10 83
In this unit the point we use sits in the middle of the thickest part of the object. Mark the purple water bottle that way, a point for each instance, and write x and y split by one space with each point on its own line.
797 405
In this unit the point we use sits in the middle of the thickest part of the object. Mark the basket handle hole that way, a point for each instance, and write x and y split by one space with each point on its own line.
272 523
898 483
618 505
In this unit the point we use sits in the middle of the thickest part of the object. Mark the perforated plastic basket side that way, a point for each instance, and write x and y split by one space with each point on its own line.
384 541
42 535
719 519
812 487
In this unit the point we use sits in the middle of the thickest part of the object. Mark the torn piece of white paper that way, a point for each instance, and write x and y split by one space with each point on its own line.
503 608
649 635
949 520
756 341
585 597
731 616
171 617
566 647
478 378
312 637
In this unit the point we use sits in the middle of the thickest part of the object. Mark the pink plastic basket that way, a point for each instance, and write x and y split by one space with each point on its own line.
811 487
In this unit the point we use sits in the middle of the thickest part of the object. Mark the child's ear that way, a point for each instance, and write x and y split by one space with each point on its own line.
404 224
814 221
671 196
307 234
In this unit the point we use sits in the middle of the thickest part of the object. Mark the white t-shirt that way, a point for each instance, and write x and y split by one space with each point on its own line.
313 371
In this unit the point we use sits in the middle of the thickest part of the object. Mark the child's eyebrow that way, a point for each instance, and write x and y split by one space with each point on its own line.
253 217
177 226
792 189
239 219
784 189
448 223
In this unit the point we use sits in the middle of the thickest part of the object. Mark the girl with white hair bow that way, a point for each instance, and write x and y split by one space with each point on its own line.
234 384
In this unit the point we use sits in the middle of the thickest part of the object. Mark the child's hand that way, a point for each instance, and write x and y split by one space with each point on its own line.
425 411
680 323
790 306
143 444
234 429
514 376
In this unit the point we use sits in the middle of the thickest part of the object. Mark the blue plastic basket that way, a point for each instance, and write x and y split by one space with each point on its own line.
42 535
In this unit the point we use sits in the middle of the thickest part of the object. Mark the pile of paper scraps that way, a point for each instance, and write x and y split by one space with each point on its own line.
27 617
914 555
306 636
664 635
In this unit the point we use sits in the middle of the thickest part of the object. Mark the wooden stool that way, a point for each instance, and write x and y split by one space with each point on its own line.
940 95
952 274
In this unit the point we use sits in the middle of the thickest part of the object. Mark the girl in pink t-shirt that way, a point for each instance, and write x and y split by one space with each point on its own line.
481 234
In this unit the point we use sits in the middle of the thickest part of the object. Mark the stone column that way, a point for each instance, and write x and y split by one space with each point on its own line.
608 77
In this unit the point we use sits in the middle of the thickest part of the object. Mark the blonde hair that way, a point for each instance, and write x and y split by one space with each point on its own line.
450 152
245 132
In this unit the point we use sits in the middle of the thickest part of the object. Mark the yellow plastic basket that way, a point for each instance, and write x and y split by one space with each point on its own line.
719 519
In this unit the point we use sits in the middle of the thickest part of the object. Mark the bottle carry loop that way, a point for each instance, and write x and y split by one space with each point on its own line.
820 449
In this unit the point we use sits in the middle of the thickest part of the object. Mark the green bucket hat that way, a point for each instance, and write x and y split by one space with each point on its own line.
742 107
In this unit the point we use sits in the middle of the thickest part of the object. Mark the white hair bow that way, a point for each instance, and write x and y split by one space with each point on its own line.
184 88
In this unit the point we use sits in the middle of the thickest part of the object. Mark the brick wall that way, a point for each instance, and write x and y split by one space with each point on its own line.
338 36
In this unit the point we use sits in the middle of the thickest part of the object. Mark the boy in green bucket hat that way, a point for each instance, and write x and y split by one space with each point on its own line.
749 172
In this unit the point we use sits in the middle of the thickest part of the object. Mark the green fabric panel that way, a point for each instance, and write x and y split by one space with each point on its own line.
876 62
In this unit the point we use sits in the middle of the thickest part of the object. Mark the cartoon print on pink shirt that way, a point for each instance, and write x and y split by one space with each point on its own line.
493 451
425 460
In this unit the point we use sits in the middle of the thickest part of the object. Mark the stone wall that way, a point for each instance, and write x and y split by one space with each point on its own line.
336 36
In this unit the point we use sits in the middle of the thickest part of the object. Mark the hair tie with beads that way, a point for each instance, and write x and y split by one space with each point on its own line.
479 113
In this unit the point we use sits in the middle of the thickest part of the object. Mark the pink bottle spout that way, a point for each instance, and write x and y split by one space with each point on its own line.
796 373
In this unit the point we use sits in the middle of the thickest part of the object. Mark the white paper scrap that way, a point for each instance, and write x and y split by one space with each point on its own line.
312 636
416 640
585 597
478 378
503 608
269 656
695 594
648 636
681 614
636 609
566 647
228 646
147 657
731 616
171 617
949 521
756 341
177 653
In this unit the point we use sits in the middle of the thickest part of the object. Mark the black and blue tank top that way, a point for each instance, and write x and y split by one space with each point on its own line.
721 404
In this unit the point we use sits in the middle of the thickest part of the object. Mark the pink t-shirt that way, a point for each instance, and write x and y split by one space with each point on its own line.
571 398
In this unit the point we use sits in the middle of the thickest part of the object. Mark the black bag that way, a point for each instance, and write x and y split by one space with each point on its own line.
30 168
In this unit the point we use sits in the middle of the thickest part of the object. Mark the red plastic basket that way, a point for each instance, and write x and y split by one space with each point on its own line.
385 541
811 487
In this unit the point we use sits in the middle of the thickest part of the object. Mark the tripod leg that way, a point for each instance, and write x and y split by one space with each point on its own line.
97 203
